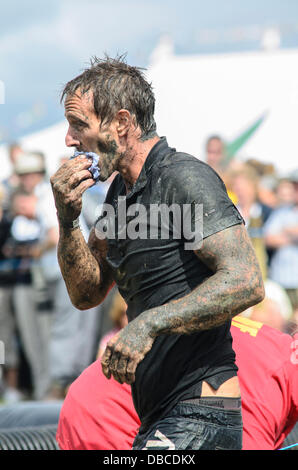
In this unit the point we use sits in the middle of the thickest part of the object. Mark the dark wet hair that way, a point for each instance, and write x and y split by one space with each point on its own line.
116 85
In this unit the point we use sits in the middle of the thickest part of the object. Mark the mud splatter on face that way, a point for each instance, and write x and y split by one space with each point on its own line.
108 151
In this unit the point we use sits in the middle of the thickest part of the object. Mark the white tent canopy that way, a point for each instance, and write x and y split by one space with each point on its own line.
197 96
200 95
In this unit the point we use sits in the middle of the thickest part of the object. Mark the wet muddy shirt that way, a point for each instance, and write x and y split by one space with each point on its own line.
153 263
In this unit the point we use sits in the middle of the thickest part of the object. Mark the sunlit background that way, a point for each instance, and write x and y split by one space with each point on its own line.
44 44
224 68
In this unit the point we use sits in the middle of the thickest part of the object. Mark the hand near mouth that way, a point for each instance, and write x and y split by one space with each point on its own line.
68 184
94 168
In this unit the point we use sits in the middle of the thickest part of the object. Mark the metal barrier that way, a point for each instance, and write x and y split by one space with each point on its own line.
29 438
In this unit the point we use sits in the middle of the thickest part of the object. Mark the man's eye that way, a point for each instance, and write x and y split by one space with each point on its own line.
76 123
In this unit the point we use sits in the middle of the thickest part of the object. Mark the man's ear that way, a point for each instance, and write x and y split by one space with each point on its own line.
124 122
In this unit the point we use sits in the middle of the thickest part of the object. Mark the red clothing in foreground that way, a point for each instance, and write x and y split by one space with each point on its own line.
98 413
268 374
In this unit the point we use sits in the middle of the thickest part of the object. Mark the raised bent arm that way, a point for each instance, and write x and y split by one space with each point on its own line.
86 274
235 285
83 266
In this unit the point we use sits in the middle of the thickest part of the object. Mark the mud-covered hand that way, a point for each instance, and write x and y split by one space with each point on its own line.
68 185
126 350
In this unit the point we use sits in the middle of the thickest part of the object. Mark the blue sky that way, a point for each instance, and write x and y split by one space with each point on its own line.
44 43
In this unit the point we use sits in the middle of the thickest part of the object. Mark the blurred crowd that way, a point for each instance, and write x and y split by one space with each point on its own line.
48 342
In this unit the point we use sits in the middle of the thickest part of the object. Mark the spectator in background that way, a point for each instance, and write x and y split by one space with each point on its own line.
281 233
33 327
11 183
285 192
267 184
267 181
217 159
215 153
24 234
244 184
10 392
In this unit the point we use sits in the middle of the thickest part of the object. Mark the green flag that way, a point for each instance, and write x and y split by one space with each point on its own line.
231 148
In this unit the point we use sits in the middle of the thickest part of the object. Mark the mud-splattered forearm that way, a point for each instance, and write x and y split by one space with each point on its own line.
85 276
235 285
82 265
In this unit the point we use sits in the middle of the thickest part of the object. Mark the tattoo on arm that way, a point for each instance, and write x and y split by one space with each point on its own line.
235 285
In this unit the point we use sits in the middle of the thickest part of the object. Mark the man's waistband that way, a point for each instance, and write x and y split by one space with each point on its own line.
227 403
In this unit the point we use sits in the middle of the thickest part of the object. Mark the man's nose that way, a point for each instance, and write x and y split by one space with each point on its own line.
71 140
